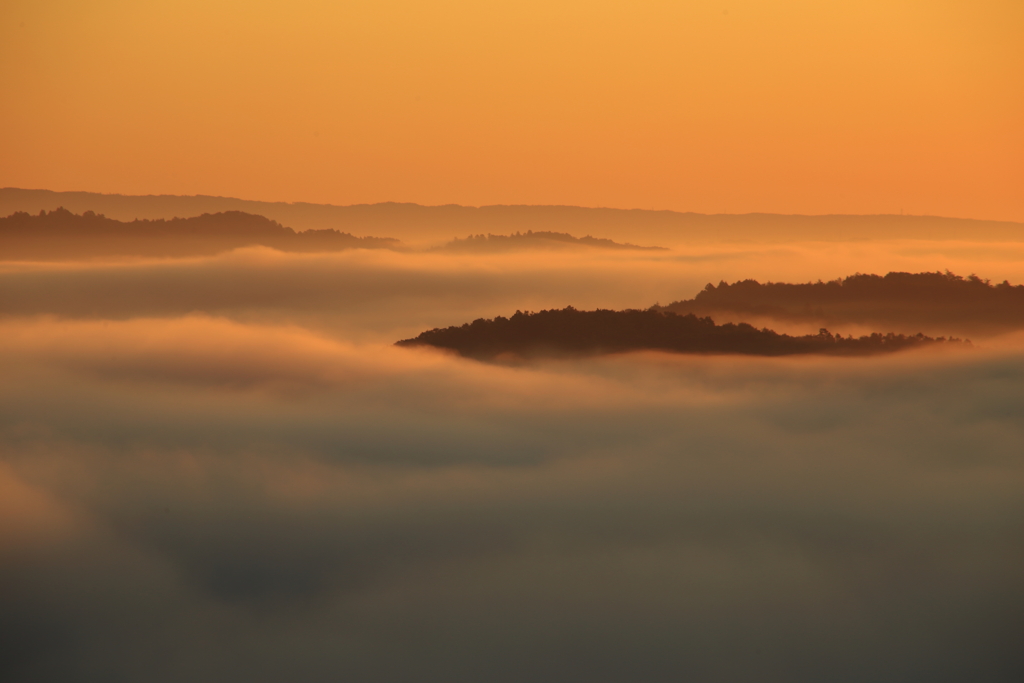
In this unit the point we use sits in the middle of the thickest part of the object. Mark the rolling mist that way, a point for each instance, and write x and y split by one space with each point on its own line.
219 465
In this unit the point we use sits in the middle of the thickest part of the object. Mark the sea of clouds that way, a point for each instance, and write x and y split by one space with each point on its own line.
222 469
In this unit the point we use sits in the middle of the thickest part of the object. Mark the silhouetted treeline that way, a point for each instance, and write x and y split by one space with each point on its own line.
918 301
61 234
569 332
542 239
412 222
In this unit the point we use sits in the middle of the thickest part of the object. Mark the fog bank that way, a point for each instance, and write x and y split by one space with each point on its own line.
232 500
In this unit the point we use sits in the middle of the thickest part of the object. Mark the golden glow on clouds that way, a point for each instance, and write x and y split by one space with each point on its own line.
379 297
811 107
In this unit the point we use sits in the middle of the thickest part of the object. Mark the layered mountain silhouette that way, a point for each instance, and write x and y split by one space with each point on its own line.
530 240
413 222
570 332
60 234
905 301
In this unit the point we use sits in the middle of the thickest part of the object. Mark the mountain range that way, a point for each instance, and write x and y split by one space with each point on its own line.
413 223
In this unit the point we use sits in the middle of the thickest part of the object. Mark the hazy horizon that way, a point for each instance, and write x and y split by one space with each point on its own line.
424 225
443 204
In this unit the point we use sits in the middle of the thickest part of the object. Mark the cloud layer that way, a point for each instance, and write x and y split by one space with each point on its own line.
223 468
204 498
370 295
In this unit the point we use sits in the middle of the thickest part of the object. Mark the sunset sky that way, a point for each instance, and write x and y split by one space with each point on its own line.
733 106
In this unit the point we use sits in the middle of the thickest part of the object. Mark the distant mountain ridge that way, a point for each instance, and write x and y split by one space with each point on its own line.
416 223
911 301
534 240
60 234
572 333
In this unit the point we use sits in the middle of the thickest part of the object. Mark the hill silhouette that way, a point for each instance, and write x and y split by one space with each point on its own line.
570 332
60 234
530 240
413 222
915 301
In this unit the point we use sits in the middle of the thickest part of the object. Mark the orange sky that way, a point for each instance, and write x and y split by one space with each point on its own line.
729 106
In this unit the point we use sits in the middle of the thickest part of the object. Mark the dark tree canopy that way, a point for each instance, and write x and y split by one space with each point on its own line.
61 234
570 332
941 301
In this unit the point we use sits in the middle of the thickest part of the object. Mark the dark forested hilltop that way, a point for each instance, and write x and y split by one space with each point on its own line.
908 301
60 234
530 240
569 332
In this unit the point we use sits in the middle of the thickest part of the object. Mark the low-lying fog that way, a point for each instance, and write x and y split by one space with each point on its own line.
384 296
222 468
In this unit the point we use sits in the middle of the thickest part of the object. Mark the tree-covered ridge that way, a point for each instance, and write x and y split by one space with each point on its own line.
570 332
62 234
541 239
917 300
413 222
